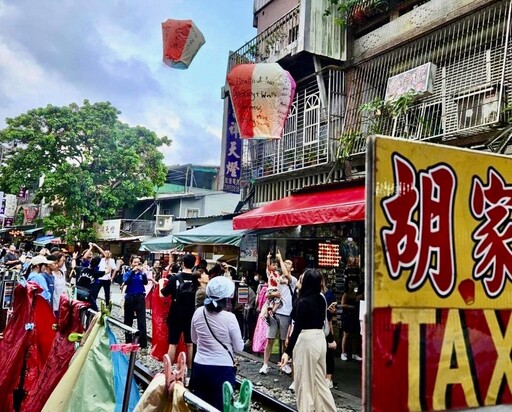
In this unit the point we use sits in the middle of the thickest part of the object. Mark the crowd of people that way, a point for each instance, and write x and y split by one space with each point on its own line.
217 314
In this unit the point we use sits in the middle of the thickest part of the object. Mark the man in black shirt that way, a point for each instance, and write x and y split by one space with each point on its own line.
11 258
182 287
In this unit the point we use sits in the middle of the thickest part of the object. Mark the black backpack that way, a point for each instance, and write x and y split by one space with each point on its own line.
185 292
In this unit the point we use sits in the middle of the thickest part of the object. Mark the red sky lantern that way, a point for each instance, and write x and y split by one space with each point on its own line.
262 95
181 40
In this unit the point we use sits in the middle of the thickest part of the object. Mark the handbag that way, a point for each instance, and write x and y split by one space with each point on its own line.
326 328
235 365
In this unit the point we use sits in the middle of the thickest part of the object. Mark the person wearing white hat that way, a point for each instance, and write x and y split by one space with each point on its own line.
217 335
36 276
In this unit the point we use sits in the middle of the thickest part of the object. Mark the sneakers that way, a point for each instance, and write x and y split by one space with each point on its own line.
292 386
264 369
344 357
357 358
287 369
330 385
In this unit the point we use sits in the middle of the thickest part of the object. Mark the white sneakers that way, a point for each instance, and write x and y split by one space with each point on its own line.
292 386
264 369
287 369
330 385
344 357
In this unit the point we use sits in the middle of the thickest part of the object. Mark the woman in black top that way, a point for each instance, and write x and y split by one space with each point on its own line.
308 346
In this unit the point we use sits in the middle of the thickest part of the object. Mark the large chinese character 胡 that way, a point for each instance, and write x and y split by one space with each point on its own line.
492 205
420 236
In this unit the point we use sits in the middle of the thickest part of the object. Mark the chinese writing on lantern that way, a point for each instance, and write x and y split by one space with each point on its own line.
491 204
420 237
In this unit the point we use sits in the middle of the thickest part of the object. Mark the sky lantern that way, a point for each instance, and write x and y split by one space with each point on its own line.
262 95
181 42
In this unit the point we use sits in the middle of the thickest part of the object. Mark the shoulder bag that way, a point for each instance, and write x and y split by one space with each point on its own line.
235 365
326 328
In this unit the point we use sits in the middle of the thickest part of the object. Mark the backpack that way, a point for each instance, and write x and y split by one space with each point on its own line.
185 292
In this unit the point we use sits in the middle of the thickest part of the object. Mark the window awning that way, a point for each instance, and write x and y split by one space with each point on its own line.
216 233
307 208
159 244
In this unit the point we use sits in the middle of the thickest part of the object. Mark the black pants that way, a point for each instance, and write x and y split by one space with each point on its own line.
249 323
135 305
105 284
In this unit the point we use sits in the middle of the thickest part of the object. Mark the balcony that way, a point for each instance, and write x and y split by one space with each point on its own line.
304 28
273 43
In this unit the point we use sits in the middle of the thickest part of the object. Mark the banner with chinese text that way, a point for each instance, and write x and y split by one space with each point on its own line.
233 162
440 282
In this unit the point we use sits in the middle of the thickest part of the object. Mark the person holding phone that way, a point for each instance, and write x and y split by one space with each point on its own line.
135 299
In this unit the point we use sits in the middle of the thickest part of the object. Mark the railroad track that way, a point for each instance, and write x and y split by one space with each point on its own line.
144 376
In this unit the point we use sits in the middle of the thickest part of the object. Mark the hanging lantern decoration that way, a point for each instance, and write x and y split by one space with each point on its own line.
262 95
181 42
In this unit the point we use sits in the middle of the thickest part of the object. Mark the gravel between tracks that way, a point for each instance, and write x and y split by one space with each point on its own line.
275 384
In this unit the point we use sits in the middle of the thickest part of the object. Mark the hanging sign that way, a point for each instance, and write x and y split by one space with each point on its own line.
262 95
109 229
181 42
439 279
30 213
11 204
233 162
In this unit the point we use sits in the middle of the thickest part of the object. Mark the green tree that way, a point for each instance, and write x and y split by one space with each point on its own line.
93 165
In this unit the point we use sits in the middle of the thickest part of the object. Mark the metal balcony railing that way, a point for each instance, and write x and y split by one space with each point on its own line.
272 43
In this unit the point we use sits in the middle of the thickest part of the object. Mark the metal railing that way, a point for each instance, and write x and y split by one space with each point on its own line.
271 43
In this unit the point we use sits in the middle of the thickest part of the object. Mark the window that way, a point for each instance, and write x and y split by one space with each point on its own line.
192 213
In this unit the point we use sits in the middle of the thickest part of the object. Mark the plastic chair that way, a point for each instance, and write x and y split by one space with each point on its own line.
243 404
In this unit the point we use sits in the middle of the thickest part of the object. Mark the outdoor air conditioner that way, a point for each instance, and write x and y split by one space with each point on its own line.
163 223
478 109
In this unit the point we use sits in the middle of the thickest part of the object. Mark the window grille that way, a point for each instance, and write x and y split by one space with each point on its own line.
470 87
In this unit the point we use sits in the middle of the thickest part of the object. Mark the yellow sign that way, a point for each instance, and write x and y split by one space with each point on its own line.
444 227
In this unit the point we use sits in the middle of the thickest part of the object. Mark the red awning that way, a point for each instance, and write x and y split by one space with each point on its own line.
313 208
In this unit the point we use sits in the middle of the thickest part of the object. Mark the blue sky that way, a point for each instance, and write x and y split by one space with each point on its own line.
63 51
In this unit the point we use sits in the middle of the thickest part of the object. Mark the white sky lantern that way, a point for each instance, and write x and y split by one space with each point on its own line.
262 95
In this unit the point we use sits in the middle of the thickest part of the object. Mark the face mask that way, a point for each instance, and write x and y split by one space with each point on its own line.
256 278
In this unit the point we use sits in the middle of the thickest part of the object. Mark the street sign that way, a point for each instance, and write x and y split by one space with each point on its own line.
439 277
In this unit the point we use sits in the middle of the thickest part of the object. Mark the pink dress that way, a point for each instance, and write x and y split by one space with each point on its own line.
259 339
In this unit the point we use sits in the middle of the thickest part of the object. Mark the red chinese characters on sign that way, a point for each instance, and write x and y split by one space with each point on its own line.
491 204
420 236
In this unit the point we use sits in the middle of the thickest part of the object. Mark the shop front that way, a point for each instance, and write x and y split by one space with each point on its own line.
218 240
320 227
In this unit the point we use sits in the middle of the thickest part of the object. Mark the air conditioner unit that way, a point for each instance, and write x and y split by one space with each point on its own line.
478 109
163 223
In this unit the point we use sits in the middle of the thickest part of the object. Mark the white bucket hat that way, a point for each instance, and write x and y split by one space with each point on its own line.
220 287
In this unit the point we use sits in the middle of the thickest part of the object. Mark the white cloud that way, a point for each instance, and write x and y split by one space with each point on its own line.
215 131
